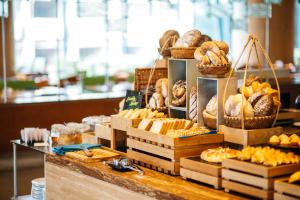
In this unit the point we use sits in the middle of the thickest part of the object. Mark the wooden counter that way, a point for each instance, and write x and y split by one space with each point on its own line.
75 180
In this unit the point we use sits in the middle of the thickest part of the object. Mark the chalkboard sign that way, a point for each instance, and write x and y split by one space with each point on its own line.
133 99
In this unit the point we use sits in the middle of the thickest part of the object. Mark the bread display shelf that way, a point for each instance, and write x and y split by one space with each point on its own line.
122 123
253 179
285 190
89 138
162 153
248 137
181 69
103 132
195 168
207 88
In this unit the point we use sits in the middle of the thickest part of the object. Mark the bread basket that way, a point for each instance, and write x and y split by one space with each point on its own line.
256 122
183 52
213 69
209 121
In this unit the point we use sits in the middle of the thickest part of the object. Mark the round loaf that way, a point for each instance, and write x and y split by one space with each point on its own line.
167 39
191 38
253 99
156 101
264 106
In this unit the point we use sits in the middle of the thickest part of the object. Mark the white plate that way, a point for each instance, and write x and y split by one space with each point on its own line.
296 123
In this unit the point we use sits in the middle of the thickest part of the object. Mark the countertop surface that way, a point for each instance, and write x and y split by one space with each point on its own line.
153 184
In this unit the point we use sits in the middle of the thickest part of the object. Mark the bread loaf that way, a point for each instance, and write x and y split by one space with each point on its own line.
193 105
168 39
191 38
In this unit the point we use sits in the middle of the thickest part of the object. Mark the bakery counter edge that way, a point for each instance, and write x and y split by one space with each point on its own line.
152 184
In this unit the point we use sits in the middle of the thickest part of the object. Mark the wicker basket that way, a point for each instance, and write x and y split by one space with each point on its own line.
165 52
214 69
183 53
250 122
142 76
209 120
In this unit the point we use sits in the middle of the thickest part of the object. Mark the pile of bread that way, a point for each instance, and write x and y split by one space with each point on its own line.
171 127
212 53
159 98
217 155
267 156
210 113
141 114
259 100
284 140
179 93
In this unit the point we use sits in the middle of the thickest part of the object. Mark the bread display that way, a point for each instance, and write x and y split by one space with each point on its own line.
219 154
179 93
294 177
140 114
268 156
233 106
193 114
284 140
191 38
158 99
172 127
209 114
168 39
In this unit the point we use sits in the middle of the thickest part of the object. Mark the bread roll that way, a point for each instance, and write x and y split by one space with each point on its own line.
191 38
168 38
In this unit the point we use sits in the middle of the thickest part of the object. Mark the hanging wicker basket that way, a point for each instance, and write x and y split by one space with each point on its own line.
256 122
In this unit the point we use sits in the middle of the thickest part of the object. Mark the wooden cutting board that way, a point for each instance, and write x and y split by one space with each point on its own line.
98 155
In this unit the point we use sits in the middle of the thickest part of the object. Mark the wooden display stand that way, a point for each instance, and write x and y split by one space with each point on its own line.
120 126
248 137
89 138
182 69
162 153
196 169
253 179
207 88
285 190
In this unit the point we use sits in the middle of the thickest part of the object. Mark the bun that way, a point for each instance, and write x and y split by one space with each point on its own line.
179 93
211 107
168 39
156 101
191 38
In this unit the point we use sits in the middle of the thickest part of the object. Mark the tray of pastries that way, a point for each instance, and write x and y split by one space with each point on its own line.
217 155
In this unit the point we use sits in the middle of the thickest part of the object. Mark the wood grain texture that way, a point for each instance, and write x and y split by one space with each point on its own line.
283 187
152 184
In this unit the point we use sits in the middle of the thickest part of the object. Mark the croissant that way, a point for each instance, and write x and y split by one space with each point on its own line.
294 177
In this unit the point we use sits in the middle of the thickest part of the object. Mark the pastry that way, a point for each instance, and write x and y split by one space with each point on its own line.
193 105
267 156
214 58
274 140
209 46
222 46
283 137
140 114
179 93
168 39
156 101
285 141
294 177
189 132
219 154
191 38
264 106
161 87
294 139
251 78
204 38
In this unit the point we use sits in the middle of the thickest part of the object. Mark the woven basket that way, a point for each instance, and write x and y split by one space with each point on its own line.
183 53
250 122
142 76
209 121
214 69
165 52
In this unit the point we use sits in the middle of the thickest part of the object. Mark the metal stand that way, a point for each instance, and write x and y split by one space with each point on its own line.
15 171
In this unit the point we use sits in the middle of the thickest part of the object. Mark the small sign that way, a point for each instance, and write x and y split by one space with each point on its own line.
133 99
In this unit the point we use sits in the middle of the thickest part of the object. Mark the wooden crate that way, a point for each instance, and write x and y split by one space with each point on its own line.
121 125
285 190
103 132
89 138
249 137
253 179
163 153
196 169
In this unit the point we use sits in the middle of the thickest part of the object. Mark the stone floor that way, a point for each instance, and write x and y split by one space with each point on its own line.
30 166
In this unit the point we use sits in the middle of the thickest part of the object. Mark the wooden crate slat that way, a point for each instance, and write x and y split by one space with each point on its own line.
278 196
103 132
122 123
282 186
147 135
198 140
211 180
248 179
245 189
178 153
159 163
202 167
161 151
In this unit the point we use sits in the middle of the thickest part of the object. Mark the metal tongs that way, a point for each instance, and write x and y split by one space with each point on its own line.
123 164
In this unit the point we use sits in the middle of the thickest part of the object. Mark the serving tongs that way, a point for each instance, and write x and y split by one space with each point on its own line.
123 164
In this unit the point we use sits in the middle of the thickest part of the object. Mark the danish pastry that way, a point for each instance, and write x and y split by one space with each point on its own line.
219 154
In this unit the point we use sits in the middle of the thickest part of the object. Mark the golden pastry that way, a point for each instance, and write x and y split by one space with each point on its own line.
274 140
219 154
294 177
294 139
283 137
